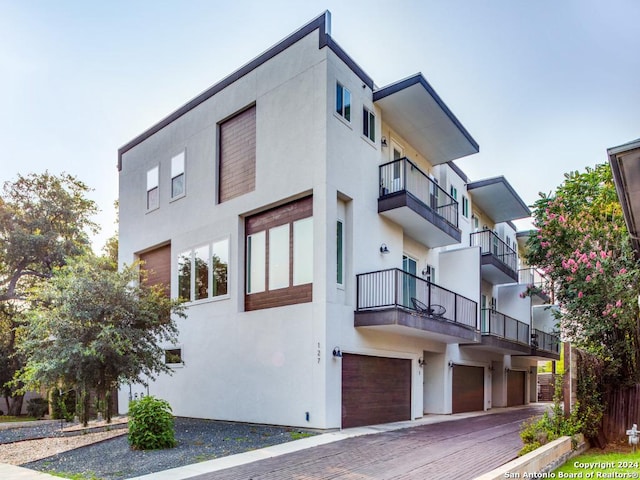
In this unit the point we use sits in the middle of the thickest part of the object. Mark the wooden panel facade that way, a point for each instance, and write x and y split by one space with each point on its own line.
468 389
285 214
237 160
515 388
156 264
375 390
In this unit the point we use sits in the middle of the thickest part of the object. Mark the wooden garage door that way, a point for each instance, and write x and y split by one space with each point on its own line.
468 389
375 390
515 388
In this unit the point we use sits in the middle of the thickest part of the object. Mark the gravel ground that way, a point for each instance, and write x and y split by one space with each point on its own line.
198 440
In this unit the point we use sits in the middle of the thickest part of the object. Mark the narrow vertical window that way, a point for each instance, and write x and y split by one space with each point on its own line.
339 252
256 261
303 251
343 102
279 257
220 266
454 192
153 197
369 124
201 260
465 206
184 276
177 175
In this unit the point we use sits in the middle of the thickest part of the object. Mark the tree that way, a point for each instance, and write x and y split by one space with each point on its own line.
95 327
44 219
582 243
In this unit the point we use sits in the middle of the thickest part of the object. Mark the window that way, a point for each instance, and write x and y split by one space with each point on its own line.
369 124
453 192
340 252
202 271
465 206
343 102
177 176
279 256
153 197
173 356
475 222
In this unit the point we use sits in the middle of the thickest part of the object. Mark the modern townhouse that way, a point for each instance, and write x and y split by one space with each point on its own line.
338 267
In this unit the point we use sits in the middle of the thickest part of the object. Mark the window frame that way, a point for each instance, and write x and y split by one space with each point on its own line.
151 188
453 192
343 108
340 243
465 206
211 286
183 173
179 364
369 124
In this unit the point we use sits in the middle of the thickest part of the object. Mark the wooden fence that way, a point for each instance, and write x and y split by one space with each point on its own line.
623 410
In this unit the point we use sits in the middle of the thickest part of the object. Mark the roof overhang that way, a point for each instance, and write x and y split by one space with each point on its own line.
625 166
413 108
497 198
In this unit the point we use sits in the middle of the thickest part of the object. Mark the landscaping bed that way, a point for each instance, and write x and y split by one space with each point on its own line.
113 459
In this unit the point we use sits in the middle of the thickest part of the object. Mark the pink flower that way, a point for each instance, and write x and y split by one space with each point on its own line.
592 255
619 303
603 254
588 279
580 295
623 271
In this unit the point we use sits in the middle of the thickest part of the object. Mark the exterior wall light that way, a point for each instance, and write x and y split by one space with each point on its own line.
384 249
337 353
450 364
421 362
383 142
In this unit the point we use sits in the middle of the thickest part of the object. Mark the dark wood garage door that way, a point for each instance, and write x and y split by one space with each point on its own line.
515 388
375 390
468 389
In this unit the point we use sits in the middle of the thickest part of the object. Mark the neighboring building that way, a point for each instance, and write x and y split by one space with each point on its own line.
625 165
339 269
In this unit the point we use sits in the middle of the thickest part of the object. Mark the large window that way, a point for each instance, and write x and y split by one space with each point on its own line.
203 271
279 256
177 176
368 124
343 102
153 197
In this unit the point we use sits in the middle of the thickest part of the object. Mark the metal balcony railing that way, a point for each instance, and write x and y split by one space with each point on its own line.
403 175
503 326
490 243
397 288
536 280
545 341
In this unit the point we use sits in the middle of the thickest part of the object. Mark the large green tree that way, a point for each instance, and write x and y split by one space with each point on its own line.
583 245
93 327
44 219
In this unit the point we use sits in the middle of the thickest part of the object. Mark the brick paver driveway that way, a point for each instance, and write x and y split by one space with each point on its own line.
453 450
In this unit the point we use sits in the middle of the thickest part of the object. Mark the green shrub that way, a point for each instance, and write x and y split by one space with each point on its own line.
150 424
63 406
37 407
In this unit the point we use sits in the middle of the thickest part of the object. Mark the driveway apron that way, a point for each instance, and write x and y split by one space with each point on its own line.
457 449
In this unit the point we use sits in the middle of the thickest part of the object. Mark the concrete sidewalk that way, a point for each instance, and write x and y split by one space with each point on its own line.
308 445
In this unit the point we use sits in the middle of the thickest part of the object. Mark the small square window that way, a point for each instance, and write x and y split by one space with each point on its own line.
343 102
173 356
177 175
369 124
153 197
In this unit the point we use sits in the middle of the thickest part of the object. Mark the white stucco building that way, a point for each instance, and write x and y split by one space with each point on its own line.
339 268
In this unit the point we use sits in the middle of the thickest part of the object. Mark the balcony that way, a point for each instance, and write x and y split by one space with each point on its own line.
503 333
416 202
398 302
499 262
538 284
545 345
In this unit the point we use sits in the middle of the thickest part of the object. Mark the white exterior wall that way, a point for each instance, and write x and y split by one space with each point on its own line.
543 318
510 303
237 364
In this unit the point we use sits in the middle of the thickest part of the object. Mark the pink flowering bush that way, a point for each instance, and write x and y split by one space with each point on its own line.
582 244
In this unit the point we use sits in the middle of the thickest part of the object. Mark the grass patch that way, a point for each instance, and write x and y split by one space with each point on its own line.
74 476
299 435
595 465
10 419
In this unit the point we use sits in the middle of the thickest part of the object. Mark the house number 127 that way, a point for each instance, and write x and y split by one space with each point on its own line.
318 352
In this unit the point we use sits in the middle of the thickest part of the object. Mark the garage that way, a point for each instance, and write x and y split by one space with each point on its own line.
375 390
468 389
515 388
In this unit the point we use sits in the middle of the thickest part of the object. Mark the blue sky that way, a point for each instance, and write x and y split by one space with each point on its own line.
544 86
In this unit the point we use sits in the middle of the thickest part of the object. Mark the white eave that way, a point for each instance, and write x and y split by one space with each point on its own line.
413 108
497 198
